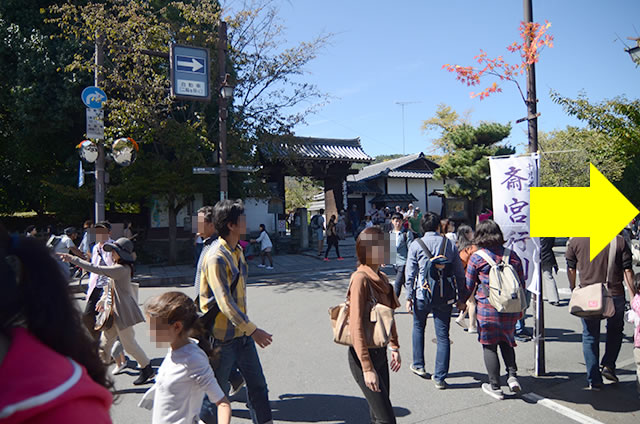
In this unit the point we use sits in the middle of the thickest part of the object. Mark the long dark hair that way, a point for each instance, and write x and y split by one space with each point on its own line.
464 240
38 297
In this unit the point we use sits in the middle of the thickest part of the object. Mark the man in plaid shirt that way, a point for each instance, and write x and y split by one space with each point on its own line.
223 285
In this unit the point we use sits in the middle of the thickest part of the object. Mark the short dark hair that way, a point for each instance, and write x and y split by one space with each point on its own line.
103 224
488 234
207 211
397 215
430 222
263 227
30 228
321 211
226 212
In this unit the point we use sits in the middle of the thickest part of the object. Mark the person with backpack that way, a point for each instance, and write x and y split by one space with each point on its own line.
433 278
466 248
317 226
496 276
401 239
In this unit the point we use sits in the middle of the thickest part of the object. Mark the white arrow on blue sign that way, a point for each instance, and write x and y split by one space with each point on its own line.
93 97
190 72
190 64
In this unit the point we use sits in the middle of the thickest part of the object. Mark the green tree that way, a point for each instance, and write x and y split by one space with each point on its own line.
571 150
299 191
41 115
444 121
175 135
618 121
468 163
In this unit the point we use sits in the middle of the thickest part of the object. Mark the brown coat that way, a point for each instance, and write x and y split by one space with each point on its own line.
360 307
126 311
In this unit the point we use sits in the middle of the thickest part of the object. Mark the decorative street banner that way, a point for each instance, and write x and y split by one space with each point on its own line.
511 178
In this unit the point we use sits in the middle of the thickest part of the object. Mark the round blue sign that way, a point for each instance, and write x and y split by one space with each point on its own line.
93 97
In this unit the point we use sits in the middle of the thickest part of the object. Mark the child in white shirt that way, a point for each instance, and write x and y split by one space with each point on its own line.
185 375
265 246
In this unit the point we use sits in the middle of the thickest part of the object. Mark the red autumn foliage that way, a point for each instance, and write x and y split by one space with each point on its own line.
529 53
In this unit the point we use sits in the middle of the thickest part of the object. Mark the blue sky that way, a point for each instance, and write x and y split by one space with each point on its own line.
386 52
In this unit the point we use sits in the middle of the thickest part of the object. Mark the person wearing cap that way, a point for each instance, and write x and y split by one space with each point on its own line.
67 245
97 282
126 311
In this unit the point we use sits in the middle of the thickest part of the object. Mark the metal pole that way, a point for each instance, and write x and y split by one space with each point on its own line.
100 161
532 119
222 111
402 105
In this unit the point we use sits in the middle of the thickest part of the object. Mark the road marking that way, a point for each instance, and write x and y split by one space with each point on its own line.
560 409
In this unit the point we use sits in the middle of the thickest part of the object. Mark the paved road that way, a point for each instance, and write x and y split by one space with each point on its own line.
309 378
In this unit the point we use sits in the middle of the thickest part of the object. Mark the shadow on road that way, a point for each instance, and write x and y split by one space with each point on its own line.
317 408
571 388
337 282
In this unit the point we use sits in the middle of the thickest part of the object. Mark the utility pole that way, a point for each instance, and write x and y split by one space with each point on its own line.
100 161
402 105
532 119
222 109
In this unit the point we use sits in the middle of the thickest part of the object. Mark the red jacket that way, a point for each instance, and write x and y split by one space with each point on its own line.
41 386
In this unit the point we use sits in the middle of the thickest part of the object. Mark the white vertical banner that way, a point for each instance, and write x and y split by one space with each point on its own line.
80 175
511 178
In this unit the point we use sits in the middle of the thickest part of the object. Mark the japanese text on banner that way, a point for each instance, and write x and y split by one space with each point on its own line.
511 178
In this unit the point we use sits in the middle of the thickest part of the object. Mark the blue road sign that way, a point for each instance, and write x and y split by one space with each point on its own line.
190 72
190 64
93 97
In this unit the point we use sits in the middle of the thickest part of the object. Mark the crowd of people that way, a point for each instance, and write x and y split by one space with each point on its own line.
438 266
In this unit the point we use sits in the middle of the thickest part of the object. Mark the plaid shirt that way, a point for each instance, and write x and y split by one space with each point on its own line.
221 266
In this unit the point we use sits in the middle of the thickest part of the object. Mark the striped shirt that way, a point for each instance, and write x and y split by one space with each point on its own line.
221 267
207 244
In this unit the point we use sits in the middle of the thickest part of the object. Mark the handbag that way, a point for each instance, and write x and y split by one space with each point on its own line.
104 319
377 329
594 301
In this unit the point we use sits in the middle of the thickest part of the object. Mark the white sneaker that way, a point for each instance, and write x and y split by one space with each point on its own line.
119 368
261 266
514 386
460 321
269 267
494 393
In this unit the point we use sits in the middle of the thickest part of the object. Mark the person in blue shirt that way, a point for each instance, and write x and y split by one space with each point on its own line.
421 308
401 239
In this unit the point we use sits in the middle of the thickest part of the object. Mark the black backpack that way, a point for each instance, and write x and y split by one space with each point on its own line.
53 241
438 281
314 222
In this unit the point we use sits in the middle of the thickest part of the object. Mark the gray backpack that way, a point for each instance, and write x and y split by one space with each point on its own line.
505 291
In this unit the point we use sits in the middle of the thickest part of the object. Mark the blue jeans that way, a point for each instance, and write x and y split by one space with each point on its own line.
520 327
441 319
241 353
591 342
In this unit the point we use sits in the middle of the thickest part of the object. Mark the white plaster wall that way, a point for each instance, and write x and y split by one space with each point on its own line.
256 212
416 187
395 186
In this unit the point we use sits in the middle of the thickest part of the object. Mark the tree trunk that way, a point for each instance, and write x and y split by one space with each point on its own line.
173 230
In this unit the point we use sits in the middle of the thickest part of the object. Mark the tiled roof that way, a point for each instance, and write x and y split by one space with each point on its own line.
357 187
348 150
410 174
385 168
390 198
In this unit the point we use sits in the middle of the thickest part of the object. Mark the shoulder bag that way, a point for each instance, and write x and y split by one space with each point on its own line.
594 301
104 319
377 329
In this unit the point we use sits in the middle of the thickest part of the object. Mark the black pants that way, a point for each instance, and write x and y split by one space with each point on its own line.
89 314
332 241
492 362
380 408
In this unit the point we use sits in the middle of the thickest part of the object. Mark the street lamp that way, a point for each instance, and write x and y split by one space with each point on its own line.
634 52
226 90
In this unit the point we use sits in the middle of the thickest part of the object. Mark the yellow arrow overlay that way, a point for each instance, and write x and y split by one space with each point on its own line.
599 212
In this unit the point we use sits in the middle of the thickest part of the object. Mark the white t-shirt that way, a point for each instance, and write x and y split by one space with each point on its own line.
264 240
183 379
64 245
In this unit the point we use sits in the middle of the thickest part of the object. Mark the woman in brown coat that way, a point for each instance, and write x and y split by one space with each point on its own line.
126 311
370 367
